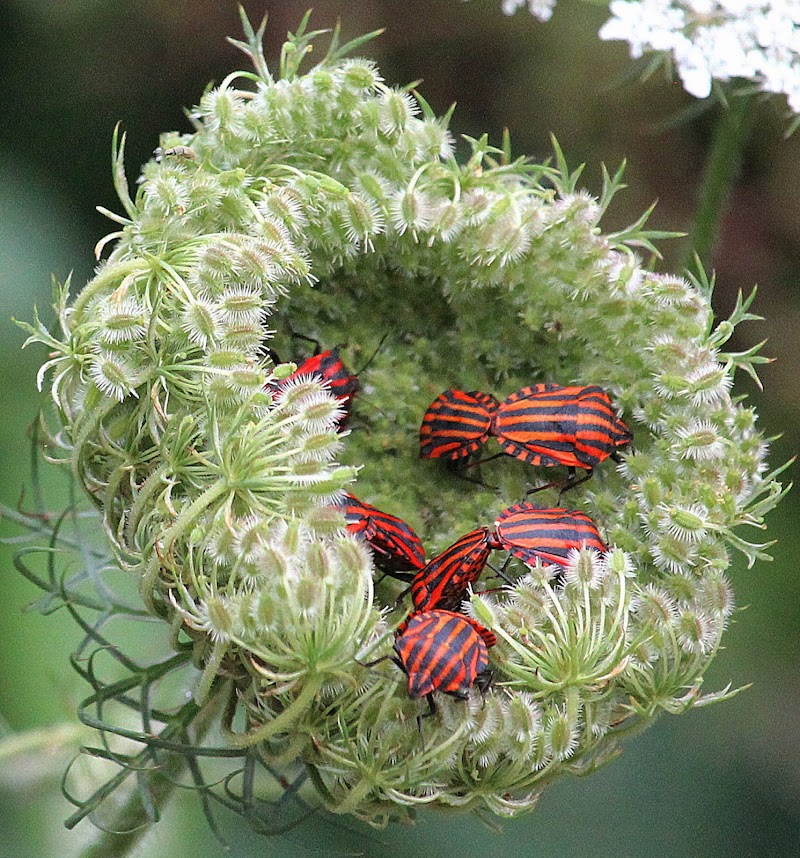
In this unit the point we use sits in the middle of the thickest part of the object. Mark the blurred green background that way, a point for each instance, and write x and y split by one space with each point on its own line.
717 782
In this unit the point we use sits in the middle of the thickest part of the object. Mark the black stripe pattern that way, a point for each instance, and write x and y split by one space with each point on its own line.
548 424
443 582
441 651
531 532
395 545
456 424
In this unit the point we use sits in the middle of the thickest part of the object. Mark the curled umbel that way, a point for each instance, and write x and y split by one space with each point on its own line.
332 205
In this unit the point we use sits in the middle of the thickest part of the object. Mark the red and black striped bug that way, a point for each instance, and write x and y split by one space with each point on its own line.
329 367
397 549
525 530
444 581
442 651
343 384
544 425
456 424
530 532
548 424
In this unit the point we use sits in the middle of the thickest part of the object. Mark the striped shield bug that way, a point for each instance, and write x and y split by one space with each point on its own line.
328 366
395 546
456 424
444 581
530 532
544 425
442 651
548 424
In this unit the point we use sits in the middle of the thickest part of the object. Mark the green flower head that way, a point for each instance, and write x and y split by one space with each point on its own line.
330 205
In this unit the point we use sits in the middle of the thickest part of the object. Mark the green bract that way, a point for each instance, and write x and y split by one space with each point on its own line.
331 205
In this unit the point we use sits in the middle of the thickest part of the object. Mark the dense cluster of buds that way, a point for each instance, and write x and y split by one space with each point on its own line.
333 202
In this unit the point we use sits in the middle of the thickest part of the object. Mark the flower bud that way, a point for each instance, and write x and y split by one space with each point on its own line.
584 568
697 632
123 321
685 523
411 211
201 322
114 375
561 733
699 440
221 621
395 110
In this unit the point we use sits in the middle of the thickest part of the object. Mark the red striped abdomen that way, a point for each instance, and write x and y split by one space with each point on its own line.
456 424
342 383
442 651
395 545
328 366
530 532
443 582
548 424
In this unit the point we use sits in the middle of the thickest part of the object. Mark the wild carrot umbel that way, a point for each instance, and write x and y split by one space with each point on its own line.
331 203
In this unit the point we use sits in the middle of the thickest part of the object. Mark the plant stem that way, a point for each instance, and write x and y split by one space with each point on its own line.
279 722
123 832
720 172
42 525
110 274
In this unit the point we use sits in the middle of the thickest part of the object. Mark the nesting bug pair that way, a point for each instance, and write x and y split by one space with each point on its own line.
544 425
526 531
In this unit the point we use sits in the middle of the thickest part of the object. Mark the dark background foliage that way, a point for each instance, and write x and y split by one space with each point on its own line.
717 782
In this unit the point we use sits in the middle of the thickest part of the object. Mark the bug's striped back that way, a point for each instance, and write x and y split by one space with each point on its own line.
443 582
328 366
488 637
548 424
442 651
530 532
342 383
599 431
396 546
456 424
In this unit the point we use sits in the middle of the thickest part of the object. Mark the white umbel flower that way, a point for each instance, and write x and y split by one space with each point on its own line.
754 39
541 9
709 40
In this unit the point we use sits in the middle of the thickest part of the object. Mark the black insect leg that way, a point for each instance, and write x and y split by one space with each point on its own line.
374 354
458 466
572 482
483 682
316 343
401 596
476 462
406 577
501 572
563 485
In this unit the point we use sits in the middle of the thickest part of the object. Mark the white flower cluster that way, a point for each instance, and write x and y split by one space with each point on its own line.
709 39
541 9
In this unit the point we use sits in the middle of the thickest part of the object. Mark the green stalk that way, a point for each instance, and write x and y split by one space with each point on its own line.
270 728
107 277
129 820
720 172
